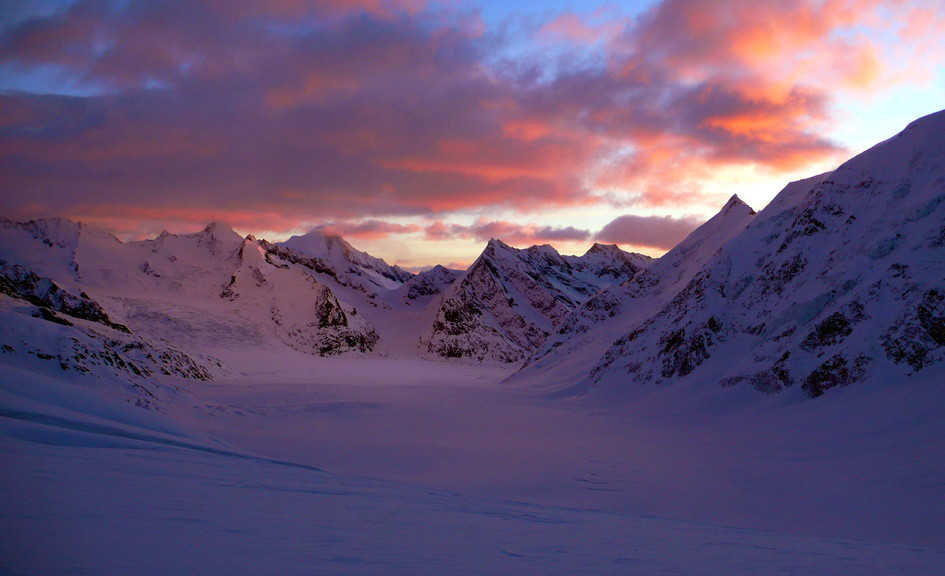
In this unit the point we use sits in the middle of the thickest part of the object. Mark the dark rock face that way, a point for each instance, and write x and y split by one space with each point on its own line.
836 371
831 330
281 253
510 300
916 338
328 310
133 358
18 282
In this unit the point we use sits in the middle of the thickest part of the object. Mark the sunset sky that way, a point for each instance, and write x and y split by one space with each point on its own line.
418 130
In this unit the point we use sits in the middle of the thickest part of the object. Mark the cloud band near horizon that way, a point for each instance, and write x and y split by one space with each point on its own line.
273 115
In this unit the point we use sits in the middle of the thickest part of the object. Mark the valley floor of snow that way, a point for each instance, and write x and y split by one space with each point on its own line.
302 465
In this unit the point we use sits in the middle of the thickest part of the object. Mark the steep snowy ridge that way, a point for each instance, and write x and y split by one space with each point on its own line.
509 300
829 287
292 295
583 336
255 287
52 247
348 261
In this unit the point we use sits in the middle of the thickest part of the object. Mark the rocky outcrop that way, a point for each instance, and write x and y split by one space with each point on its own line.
18 282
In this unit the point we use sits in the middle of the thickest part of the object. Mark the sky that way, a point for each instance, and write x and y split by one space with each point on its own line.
419 129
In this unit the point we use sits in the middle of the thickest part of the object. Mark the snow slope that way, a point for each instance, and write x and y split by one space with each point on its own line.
338 465
347 260
204 291
840 280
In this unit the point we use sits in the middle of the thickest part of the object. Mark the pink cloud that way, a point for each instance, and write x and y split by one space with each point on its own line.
361 110
370 229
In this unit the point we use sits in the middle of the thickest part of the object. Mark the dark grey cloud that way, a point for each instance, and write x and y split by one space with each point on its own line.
661 232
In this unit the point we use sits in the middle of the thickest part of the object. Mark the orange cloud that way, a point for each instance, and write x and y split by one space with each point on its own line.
268 115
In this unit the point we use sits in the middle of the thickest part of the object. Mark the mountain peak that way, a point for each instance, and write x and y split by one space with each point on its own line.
735 203
218 229
836 282
337 251
599 248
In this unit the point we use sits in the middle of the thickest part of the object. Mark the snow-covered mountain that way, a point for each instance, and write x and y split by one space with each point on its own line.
351 265
584 335
840 279
203 292
45 327
509 300
49 322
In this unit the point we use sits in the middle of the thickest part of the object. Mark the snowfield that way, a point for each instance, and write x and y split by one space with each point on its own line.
300 464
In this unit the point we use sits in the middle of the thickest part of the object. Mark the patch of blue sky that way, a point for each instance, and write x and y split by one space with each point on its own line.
45 79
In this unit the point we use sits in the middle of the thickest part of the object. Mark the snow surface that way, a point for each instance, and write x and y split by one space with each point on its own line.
339 466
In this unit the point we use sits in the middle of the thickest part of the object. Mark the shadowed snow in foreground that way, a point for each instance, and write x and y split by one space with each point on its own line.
342 466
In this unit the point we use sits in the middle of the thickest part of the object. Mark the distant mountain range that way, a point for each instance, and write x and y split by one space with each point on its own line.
509 301
841 278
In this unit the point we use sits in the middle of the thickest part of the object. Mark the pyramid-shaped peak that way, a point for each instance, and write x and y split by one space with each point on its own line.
218 238
495 243
599 248
735 203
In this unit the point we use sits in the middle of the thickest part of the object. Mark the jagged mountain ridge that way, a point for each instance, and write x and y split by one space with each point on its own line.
840 279
509 300
345 259
208 289
592 327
